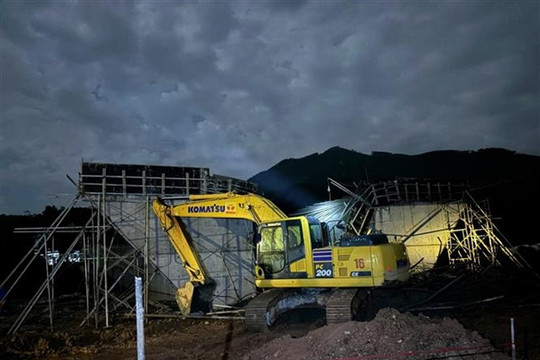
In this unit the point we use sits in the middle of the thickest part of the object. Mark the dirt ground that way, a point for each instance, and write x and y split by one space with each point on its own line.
301 335
470 322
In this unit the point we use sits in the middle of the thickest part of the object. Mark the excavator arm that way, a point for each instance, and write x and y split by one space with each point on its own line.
225 205
182 242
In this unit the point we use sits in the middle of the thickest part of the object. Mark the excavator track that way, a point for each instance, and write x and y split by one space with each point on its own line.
341 306
257 309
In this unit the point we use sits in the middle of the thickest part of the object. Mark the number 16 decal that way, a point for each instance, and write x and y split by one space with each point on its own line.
359 263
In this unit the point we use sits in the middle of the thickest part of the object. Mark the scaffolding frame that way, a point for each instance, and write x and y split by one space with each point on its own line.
101 188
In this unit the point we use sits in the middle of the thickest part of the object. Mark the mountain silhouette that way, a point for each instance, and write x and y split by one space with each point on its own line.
508 181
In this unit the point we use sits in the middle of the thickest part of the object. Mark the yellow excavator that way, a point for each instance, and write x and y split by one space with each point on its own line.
297 264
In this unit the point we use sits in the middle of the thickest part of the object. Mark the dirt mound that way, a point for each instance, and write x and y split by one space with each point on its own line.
391 335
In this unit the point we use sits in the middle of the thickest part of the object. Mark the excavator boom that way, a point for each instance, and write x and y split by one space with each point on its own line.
229 205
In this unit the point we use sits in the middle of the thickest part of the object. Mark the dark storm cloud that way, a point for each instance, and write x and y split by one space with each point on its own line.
238 86
86 31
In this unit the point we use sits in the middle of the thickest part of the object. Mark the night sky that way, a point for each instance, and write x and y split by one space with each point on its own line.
238 86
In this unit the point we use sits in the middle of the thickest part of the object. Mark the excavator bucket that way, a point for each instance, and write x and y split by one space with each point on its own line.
195 297
184 297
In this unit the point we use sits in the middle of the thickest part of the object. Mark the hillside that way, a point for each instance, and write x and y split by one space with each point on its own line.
509 181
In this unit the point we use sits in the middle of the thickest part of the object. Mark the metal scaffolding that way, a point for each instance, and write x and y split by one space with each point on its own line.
115 240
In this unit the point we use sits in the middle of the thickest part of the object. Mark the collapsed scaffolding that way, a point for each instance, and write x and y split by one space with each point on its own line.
441 219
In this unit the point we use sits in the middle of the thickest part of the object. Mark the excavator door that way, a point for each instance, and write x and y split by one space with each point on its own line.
281 249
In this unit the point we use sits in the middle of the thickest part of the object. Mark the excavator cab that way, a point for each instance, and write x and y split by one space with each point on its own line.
295 252
282 247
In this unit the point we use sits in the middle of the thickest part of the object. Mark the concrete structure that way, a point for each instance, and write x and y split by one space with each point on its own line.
123 194
425 228
225 247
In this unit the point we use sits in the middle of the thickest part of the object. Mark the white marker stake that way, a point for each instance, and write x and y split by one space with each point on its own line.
512 334
140 318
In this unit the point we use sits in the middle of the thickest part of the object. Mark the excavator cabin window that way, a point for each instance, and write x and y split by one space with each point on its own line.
280 243
271 249
294 239
271 239
317 238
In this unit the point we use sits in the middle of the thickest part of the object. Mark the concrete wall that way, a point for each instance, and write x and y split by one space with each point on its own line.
222 243
427 225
